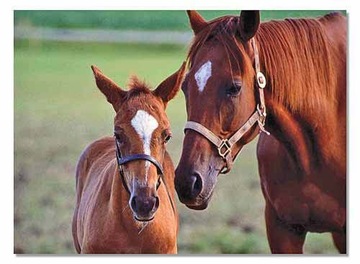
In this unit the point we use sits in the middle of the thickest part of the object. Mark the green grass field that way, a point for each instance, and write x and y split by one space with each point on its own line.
58 111
144 20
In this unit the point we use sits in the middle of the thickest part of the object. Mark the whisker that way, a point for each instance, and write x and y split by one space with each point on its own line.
144 224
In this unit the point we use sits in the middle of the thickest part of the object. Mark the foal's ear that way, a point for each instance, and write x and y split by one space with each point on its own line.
168 88
114 94
197 22
249 24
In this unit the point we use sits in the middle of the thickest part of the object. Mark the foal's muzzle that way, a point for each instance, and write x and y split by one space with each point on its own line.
144 204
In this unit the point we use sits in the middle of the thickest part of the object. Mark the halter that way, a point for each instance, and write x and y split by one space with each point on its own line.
123 160
224 146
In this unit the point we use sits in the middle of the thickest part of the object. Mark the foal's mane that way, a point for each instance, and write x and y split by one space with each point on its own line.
137 87
295 55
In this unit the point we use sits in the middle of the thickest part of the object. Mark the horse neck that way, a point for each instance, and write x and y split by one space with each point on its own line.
311 101
169 174
119 197
311 147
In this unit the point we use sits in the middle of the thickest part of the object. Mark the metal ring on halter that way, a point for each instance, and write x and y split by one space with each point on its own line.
261 80
224 144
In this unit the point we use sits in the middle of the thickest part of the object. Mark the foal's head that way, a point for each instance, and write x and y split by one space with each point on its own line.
220 95
141 127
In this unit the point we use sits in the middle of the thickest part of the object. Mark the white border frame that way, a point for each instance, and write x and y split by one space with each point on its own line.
7 113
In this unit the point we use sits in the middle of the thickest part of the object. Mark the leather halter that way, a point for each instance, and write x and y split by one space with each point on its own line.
224 146
123 160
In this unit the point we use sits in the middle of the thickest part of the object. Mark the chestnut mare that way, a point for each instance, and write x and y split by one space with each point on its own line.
125 184
293 74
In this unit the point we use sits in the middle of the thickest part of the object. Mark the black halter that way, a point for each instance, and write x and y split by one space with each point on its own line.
122 160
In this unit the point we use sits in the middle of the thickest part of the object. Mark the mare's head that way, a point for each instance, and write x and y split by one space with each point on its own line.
141 129
220 95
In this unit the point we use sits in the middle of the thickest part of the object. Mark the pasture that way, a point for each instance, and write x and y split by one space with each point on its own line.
58 111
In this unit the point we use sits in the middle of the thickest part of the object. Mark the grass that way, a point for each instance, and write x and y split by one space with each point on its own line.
138 20
58 111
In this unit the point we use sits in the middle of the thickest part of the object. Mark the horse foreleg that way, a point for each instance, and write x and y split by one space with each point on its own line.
339 239
283 238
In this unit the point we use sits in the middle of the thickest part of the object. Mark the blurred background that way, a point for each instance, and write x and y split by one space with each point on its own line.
59 110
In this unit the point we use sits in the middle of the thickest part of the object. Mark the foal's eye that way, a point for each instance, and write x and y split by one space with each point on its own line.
117 136
233 90
167 136
120 137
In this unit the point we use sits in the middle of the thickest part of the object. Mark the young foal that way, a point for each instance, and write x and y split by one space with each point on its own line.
124 184
302 163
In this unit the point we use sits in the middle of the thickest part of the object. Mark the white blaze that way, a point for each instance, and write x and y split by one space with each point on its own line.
145 124
202 75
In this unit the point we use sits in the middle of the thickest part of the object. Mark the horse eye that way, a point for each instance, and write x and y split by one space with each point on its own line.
167 136
119 137
234 90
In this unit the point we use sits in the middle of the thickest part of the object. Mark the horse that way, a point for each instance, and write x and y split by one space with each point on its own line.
282 79
125 183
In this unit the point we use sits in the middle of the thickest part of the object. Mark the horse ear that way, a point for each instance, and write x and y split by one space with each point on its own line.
197 22
249 24
168 88
113 93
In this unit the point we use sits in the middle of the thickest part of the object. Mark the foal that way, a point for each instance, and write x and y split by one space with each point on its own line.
124 184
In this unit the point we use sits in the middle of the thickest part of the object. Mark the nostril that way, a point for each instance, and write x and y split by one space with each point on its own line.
157 202
144 205
196 185
133 203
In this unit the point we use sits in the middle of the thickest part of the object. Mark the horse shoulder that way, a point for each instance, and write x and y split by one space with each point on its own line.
295 196
95 153
89 156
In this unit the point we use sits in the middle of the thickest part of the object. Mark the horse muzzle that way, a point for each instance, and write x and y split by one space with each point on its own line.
192 189
144 205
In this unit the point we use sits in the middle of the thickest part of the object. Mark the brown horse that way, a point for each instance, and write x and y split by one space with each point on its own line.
293 74
125 184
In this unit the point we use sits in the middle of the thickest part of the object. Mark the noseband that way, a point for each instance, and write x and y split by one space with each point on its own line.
123 160
224 146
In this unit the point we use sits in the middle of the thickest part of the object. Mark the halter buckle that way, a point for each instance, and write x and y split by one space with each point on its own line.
224 144
262 112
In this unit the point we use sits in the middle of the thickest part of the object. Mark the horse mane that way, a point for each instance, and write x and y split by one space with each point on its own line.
299 63
296 58
137 87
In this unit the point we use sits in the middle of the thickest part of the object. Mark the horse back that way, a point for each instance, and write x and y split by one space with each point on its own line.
336 29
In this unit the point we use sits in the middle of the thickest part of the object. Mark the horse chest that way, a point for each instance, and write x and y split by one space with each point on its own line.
305 203
130 237
111 232
316 200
